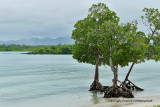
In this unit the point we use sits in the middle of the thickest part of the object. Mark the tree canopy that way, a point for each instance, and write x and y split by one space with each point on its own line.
87 34
151 20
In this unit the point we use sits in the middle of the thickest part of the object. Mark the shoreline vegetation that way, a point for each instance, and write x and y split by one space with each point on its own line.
14 47
40 49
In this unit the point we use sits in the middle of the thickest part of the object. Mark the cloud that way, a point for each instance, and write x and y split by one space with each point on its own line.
56 18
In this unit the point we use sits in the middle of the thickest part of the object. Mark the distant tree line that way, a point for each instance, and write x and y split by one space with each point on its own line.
54 49
40 49
4 47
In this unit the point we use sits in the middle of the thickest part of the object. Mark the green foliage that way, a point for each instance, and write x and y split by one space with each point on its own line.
54 49
99 35
41 49
4 47
66 49
151 20
123 42
88 40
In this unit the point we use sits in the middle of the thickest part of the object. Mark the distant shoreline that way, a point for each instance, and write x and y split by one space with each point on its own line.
24 52
44 54
53 49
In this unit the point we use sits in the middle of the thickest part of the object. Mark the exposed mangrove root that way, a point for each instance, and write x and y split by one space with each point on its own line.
118 91
96 86
104 88
131 86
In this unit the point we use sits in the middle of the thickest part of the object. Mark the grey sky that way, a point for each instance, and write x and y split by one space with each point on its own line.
56 18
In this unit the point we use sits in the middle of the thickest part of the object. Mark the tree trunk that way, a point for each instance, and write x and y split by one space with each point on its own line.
96 77
115 70
110 60
129 72
96 85
115 90
115 77
130 85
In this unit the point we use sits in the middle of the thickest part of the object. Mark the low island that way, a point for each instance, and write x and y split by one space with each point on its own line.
54 49
39 49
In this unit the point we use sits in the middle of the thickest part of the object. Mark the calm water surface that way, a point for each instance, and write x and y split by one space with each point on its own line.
60 81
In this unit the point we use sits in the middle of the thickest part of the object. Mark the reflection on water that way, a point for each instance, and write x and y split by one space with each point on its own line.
95 98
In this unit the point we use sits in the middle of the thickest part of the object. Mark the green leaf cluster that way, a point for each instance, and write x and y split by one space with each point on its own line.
151 20
88 37
4 47
100 32
54 49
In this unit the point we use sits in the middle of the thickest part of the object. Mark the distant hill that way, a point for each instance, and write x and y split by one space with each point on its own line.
37 41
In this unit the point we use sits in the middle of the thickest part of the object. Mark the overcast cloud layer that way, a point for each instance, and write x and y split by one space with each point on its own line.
56 18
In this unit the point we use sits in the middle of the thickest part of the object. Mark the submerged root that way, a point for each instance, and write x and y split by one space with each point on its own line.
104 88
112 92
96 86
132 86
117 91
